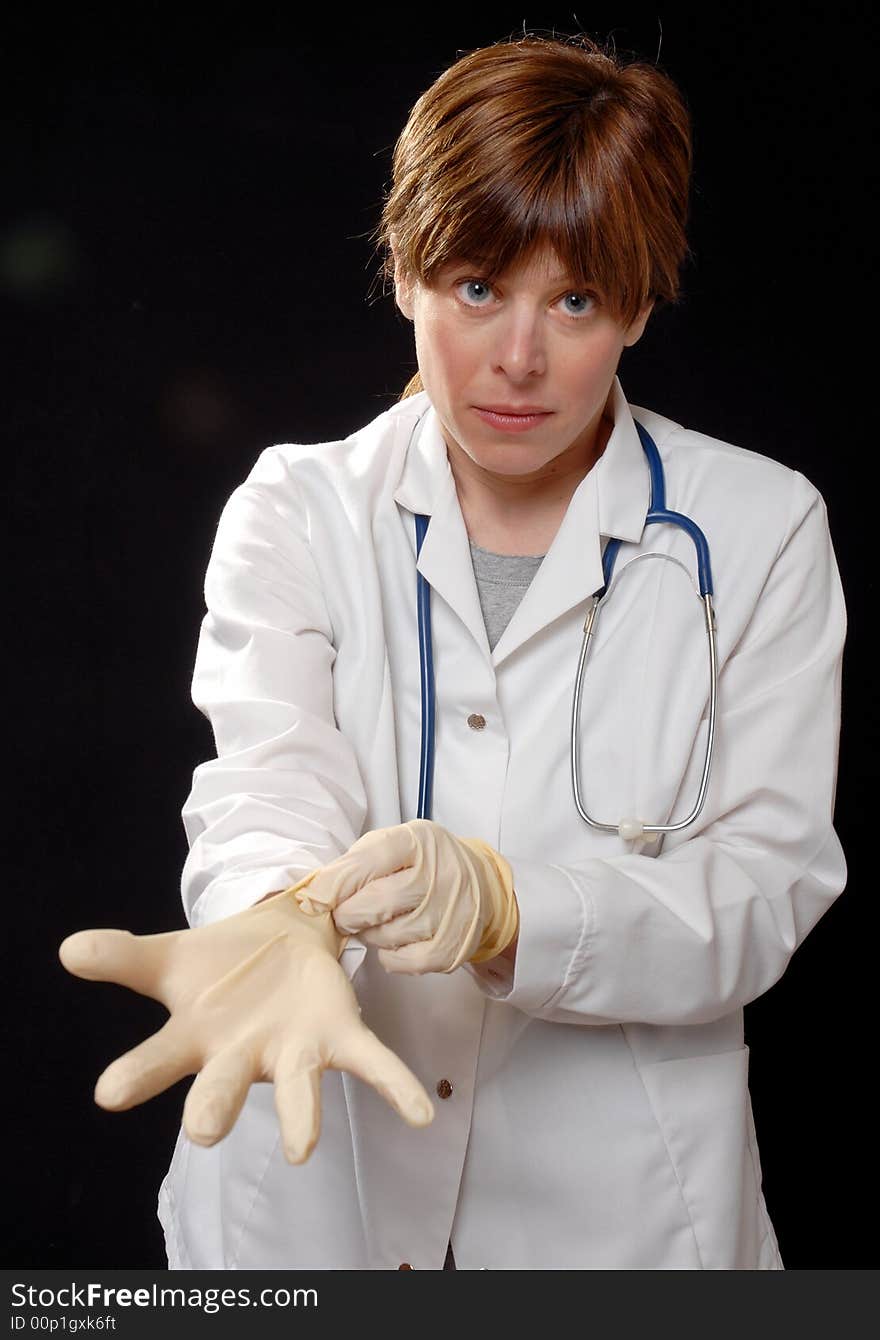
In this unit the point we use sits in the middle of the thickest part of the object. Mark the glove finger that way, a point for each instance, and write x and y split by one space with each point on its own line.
406 930
298 1100
157 1063
380 900
135 961
374 855
217 1096
361 1053
418 957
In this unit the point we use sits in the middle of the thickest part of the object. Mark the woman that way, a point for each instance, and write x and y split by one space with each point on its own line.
570 993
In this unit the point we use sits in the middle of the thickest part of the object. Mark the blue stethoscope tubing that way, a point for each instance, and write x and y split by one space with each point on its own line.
629 829
426 671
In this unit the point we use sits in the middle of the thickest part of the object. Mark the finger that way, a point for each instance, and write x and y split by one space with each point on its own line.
380 900
361 1053
217 1095
412 959
148 1069
298 1100
135 961
374 855
405 930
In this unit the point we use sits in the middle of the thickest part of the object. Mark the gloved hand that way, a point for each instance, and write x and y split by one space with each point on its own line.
429 901
256 996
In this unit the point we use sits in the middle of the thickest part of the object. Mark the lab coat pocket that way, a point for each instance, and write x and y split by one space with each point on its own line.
702 1106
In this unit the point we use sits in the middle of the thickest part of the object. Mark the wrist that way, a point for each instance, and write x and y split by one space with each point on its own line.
313 920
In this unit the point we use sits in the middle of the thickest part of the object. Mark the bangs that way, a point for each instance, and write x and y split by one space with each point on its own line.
553 199
526 230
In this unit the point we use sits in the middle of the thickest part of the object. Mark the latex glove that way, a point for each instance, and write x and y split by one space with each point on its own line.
256 996
429 901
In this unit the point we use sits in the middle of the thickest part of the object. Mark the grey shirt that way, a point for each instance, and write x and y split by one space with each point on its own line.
502 581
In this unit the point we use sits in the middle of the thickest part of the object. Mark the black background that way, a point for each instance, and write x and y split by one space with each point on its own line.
187 277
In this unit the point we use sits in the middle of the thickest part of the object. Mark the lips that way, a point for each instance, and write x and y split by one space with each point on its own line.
518 422
514 409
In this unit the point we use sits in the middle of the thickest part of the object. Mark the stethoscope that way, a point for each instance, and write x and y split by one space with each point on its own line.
630 829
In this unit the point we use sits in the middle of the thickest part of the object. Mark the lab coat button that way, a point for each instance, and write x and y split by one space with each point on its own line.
444 1088
476 722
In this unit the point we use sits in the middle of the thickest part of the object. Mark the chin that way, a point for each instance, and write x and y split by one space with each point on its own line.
510 461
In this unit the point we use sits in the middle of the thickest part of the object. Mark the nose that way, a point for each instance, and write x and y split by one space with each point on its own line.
520 343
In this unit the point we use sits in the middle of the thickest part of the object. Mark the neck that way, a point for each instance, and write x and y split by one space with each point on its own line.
524 511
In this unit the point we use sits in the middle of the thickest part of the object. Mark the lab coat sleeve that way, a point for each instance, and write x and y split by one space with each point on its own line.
710 924
284 794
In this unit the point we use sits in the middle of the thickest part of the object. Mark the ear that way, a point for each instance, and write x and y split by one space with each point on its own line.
403 287
635 331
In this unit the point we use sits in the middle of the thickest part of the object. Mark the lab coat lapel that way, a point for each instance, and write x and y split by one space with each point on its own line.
427 486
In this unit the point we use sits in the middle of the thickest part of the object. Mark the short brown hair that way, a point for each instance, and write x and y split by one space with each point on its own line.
540 141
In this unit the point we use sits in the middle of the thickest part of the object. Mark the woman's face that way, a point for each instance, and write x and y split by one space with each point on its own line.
531 341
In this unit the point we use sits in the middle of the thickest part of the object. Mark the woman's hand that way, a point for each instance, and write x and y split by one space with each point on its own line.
256 996
429 901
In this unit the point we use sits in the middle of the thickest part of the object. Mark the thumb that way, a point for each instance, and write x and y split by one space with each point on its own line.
135 961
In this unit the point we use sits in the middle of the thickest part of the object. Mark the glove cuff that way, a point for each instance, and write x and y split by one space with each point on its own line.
503 924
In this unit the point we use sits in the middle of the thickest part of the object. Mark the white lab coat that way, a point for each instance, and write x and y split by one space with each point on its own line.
599 1114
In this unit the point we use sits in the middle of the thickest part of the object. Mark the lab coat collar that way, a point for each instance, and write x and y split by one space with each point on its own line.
610 501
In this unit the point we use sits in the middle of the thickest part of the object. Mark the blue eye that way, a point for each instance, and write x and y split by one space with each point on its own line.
475 284
481 289
585 298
